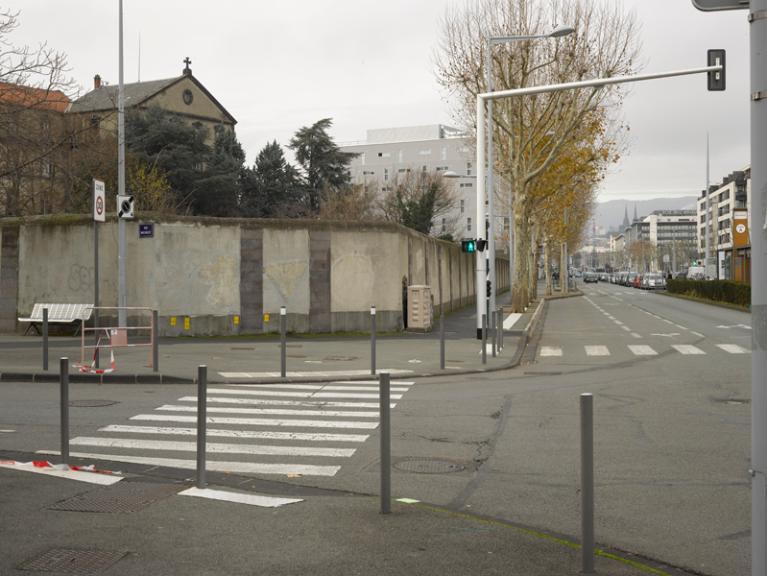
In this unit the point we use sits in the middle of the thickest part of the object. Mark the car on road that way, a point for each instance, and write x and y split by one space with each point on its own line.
590 277
653 281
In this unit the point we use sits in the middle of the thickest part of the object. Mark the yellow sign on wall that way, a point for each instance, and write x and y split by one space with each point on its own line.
172 320
236 320
266 318
187 322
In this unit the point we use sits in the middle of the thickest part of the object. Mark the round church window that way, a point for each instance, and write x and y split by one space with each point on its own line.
188 96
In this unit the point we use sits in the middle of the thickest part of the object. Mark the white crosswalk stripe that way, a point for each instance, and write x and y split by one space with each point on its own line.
270 429
733 348
687 349
597 351
642 350
551 351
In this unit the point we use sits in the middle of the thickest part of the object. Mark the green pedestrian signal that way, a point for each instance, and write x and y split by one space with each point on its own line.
468 245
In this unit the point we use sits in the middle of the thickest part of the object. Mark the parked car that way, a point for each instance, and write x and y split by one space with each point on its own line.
653 281
590 277
637 283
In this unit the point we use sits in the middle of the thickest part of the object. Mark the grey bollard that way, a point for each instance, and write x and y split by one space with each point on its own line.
385 412
64 393
494 332
373 340
202 422
484 339
155 342
500 327
587 484
283 342
45 339
442 341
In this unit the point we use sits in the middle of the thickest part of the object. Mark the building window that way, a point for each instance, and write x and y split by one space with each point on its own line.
424 168
468 224
441 168
95 122
426 152
466 185
362 159
463 202
468 168
45 168
368 173
384 154
386 174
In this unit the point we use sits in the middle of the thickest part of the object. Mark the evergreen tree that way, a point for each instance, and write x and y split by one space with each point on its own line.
218 191
272 188
325 167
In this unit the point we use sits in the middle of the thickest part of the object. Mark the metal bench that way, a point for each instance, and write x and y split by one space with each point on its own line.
59 314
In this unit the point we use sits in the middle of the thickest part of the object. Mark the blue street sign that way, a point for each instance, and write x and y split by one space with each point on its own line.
146 230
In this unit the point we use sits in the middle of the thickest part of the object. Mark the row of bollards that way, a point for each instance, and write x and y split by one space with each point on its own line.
587 449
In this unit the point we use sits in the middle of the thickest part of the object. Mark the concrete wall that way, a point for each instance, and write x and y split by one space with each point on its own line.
228 276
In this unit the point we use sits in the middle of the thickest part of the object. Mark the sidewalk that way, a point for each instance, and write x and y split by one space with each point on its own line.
141 525
257 359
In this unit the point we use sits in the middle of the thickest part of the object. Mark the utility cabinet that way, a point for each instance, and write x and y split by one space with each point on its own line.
419 308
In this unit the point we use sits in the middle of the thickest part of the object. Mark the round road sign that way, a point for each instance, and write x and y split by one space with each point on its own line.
99 205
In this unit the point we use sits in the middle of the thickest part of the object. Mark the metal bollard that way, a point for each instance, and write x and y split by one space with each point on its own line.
442 341
587 484
494 332
45 339
64 393
484 339
202 421
373 340
283 342
385 412
155 342
500 328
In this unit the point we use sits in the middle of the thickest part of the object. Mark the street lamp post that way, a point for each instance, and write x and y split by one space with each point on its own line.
489 264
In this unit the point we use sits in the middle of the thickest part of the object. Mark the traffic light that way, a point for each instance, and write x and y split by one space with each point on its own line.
468 245
481 245
489 289
716 80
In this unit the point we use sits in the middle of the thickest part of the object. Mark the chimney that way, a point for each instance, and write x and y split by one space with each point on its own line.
96 82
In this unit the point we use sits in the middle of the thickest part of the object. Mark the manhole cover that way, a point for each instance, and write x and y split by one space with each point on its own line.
339 358
67 561
429 466
91 403
121 497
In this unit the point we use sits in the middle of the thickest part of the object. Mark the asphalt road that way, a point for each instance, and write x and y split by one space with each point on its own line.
672 430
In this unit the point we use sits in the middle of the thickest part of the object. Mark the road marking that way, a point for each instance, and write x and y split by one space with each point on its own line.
688 349
297 394
212 447
7 431
550 351
733 348
272 411
642 350
681 327
269 402
304 436
371 387
239 497
597 351
698 334
211 465
82 476
259 421
618 322
328 374
510 320
635 335
744 326
669 335
626 328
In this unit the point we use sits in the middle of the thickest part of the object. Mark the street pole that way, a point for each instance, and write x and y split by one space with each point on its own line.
758 21
489 185
122 299
709 226
479 285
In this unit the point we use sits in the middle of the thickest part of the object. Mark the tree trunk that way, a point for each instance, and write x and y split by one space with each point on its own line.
520 294
547 268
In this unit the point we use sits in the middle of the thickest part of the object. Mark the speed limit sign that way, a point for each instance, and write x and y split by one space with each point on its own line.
99 193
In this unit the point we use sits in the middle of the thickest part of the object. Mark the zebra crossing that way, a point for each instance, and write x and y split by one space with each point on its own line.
636 350
272 429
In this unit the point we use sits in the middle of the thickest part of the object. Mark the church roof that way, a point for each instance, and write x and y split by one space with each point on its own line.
105 97
136 93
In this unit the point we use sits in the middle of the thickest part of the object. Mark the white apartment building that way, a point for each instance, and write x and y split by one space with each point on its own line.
733 194
389 153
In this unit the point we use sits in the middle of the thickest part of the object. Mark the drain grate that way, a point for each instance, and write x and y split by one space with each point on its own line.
91 403
429 466
122 497
68 561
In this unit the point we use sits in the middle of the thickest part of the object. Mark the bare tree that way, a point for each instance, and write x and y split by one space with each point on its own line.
351 203
34 135
418 199
532 133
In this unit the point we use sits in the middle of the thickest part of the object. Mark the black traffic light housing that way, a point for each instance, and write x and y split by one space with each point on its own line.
489 289
716 80
481 245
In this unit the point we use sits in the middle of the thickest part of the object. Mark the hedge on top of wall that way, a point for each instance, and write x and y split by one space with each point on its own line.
728 291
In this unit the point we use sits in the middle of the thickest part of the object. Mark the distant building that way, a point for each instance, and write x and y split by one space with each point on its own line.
663 241
728 199
389 153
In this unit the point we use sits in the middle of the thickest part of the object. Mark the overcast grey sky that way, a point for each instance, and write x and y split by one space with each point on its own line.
277 66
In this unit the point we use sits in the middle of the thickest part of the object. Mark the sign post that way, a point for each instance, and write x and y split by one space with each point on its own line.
99 215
